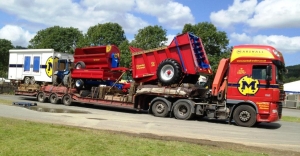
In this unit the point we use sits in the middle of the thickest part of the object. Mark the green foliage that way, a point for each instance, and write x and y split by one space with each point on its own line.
58 38
150 37
293 73
104 34
125 54
214 41
5 46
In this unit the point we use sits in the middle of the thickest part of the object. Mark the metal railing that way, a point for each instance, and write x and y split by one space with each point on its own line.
292 101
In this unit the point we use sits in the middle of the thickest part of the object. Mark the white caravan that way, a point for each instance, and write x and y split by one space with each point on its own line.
34 65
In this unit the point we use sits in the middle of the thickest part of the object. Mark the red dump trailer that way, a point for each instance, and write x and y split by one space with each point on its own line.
96 63
183 60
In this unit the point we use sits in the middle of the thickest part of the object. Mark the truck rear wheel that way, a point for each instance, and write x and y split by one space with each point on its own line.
67 100
183 111
169 72
41 97
245 116
160 109
80 65
32 81
53 98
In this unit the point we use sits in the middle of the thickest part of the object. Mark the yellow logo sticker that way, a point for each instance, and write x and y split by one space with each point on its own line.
49 65
108 48
248 86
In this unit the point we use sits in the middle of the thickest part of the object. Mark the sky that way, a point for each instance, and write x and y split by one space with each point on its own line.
268 22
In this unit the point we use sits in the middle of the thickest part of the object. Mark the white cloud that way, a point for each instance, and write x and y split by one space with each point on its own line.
171 14
265 14
80 15
282 43
17 35
276 14
239 12
170 39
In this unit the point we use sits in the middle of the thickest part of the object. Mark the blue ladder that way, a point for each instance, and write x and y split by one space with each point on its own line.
198 50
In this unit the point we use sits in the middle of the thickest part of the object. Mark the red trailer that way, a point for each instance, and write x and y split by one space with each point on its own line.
185 58
96 63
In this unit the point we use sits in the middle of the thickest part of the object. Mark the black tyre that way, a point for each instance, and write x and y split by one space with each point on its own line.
53 99
41 97
67 100
183 111
169 72
79 84
220 96
66 80
27 80
160 109
80 65
55 80
244 115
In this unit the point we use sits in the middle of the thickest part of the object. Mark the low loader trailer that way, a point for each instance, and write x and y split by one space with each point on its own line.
247 87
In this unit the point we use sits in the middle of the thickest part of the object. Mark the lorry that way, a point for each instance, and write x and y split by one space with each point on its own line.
31 66
247 87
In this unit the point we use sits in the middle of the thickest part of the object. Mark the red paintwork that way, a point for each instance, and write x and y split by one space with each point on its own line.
97 62
146 62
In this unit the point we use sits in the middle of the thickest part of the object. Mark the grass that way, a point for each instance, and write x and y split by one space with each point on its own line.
290 119
5 102
18 137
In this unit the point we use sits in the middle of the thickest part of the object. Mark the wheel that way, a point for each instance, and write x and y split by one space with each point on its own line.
160 109
55 80
27 80
220 96
183 111
67 100
32 81
41 97
66 80
244 115
79 84
80 65
169 72
53 99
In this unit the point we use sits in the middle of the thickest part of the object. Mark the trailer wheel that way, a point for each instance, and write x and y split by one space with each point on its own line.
41 97
169 72
183 111
27 80
160 109
55 80
244 115
53 98
66 80
67 100
80 65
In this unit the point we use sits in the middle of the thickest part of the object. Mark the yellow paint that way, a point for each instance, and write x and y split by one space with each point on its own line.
248 86
140 66
108 48
263 105
241 71
49 65
250 52
152 64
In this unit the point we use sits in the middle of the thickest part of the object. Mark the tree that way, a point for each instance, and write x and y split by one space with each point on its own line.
58 38
125 54
5 46
104 34
214 41
150 37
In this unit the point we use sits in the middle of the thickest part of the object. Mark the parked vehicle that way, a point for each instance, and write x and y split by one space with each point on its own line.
249 92
32 66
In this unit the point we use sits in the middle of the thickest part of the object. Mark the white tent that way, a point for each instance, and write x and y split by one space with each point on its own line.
292 87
